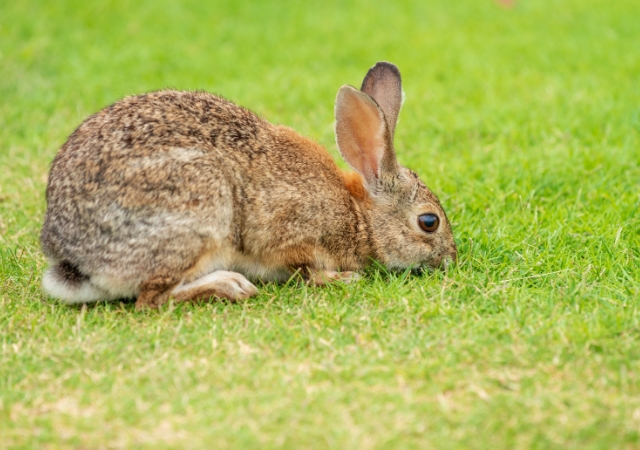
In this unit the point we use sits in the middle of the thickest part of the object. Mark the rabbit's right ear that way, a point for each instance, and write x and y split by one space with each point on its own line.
363 136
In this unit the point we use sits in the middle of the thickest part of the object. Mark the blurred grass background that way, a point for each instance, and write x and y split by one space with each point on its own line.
524 119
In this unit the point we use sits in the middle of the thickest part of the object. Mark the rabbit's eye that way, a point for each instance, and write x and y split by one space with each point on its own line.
428 222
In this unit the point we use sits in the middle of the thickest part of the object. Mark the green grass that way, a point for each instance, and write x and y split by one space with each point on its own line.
525 121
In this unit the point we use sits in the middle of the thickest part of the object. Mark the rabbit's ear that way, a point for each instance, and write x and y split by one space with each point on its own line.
363 136
384 84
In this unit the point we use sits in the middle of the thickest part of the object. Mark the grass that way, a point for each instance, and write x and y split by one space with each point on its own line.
524 120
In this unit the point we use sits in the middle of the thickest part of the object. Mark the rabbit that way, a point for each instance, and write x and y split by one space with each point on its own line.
187 196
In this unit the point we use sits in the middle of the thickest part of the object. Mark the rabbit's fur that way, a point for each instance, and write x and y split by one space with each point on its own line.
185 195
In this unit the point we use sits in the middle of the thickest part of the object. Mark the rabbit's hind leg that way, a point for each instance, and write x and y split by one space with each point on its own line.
155 291
221 283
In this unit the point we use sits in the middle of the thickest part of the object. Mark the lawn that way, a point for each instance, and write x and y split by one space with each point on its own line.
525 120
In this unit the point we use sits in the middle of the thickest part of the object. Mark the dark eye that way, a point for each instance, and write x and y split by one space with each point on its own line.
428 222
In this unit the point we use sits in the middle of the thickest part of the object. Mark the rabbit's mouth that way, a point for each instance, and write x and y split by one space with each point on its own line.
421 270
427 269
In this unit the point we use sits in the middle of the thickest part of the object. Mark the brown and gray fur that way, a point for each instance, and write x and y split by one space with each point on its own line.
185 195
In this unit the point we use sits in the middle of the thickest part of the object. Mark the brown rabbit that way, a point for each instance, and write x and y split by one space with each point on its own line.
184 194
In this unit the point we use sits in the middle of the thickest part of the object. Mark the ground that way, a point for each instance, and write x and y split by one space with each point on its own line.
524 117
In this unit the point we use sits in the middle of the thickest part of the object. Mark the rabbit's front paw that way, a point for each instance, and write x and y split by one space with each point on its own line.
322 277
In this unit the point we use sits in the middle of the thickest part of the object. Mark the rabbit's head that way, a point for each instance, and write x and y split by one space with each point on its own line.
407 225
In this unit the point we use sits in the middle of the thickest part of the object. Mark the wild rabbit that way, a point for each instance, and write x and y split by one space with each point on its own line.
184 194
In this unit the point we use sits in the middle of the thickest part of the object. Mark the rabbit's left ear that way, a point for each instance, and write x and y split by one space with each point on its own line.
384 84
363 136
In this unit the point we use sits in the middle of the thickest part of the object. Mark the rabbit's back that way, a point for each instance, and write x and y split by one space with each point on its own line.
153 180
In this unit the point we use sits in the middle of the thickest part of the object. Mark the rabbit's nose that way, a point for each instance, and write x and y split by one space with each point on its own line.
453 253
449 260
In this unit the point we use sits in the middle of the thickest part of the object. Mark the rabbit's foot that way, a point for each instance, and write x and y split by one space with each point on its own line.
322 277
155 291
221 283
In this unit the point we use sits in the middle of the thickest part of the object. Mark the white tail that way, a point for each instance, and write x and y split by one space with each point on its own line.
70 290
